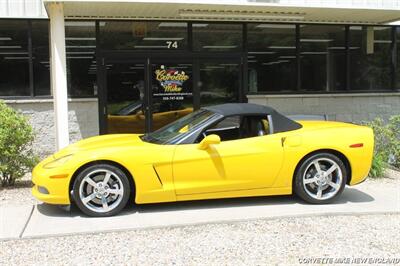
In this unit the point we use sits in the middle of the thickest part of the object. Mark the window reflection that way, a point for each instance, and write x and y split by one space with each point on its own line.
323 57
271 57
143 35
370 56
219 82
217 37
14 58
40 52
125 92
80 39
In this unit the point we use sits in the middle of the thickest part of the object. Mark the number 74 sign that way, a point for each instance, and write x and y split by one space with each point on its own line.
172 44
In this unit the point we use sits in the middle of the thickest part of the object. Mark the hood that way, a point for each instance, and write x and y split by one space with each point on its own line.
103 142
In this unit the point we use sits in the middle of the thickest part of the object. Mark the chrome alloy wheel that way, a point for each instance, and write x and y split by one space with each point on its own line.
322 179
101 190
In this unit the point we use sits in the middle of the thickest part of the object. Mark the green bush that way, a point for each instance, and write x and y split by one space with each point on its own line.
378 166
387 144
16 154
394 147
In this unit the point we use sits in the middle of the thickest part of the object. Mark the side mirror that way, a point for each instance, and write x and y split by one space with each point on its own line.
209 140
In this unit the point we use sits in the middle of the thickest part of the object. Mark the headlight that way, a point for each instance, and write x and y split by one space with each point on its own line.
57 162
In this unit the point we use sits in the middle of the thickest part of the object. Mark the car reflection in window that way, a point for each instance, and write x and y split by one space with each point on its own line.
131 118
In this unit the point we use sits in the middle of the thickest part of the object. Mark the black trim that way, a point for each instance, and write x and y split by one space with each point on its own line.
30 54
347 51
196 80
148 107
190 36
245 67
393 65
101 86
298 59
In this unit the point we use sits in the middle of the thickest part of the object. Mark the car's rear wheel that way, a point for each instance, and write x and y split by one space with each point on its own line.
101 190
320 178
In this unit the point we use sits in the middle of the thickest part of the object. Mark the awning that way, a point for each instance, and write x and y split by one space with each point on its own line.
225 10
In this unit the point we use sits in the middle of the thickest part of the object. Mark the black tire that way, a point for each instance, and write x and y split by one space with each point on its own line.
304 188
118 181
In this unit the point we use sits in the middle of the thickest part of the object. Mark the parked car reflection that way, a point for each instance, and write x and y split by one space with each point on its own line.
131 118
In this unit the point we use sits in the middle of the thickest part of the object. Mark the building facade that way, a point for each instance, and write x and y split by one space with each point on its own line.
83 68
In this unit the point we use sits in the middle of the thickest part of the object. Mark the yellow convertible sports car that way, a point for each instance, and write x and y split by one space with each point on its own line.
222 151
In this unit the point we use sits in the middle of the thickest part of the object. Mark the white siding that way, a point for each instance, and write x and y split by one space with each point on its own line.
35 8
22 9
373 4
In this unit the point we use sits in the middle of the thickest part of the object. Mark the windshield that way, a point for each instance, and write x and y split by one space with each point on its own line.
171 132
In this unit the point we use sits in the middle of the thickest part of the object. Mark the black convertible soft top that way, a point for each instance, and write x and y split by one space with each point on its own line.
280 122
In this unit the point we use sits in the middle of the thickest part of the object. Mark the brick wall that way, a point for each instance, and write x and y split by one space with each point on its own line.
82 115
340 107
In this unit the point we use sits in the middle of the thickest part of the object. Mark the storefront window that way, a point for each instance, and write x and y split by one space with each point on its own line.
370 57
14 58
219 82
323 58
40 52
125 98
271 57
217 36
80 39
141 35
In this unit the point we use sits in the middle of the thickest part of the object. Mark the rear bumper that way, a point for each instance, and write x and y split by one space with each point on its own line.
356 181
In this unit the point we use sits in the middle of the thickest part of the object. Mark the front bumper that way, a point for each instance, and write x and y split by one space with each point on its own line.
51 185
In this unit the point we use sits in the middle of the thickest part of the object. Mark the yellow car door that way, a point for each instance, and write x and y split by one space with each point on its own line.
230 165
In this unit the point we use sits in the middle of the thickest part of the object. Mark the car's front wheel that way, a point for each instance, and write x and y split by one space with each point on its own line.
101 190
320 178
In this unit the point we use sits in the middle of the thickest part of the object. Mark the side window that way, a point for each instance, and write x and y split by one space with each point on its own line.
239 127
229 122
227 129
254 126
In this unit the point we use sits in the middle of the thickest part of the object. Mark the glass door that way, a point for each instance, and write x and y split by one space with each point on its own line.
143 95
125 97
171 91
220 81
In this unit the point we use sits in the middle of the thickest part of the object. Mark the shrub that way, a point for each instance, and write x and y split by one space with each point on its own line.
394 143
387 144
16 153
378 166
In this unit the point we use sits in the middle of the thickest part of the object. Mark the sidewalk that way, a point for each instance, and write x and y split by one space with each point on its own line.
46 220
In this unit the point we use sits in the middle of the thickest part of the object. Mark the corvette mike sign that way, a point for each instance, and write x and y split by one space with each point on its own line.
172 84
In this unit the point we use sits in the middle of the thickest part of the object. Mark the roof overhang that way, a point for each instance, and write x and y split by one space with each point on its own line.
223 10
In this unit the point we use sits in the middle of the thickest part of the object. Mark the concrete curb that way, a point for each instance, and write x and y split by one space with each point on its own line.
205 223
23 222
14 220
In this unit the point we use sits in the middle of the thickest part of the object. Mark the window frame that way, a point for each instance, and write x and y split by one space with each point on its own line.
394 58
214 123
